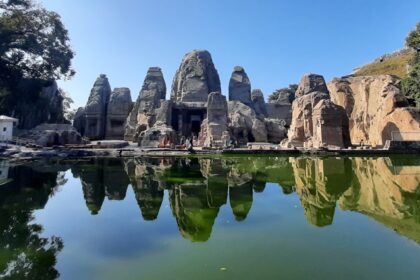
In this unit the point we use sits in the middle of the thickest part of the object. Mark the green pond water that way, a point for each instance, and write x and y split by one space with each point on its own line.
217 218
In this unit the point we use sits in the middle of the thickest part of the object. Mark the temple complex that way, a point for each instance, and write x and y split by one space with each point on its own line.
198 114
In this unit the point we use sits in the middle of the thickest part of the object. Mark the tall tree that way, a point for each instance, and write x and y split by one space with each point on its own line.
33 43
411 84
34 51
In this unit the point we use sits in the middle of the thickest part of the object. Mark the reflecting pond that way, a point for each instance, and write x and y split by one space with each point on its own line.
211 218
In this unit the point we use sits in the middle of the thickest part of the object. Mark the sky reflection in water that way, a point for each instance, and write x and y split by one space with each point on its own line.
244 217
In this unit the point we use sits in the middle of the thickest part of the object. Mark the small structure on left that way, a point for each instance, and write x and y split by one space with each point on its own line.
6 127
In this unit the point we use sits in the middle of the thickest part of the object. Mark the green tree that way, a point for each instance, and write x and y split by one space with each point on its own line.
33 43
411 84
34 51
68 112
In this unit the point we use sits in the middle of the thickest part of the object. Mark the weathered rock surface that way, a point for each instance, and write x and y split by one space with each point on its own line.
244 125
311 83
316 121
195 78
143 115
376 108
240 86
258 103
161 134
119 106
276 130
285 97
282 112
96 109
281 108
214 130
79 120
331 125
48 135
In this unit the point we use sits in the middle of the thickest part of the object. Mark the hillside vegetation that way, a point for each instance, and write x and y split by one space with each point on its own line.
392 64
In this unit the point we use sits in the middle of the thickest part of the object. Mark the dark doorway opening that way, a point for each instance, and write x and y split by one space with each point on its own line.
187 121
195 127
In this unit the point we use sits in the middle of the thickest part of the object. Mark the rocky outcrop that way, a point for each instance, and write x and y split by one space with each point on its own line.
244 125
331 125
284 96
311 83
316 120
96 109
281 108
161 134
195 78
280 111
376 108
143 114
48 135
240 86
276 130
119 107
258 103
214 131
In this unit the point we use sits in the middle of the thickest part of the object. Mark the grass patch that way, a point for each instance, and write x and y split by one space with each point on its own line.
394 65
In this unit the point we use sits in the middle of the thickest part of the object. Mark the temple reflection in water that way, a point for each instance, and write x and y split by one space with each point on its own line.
386 189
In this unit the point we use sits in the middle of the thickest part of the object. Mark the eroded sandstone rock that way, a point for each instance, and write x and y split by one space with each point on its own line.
281 108
48 135
376 108
244 125
240 86
331 125
276 130
258 103
118 108
214 129
96 108
311 83
143 114
278 111
316 121
195 78
161 134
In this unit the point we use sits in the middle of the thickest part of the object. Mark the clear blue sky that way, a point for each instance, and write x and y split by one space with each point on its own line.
276 41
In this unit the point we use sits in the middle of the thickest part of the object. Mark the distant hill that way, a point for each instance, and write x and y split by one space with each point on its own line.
392 64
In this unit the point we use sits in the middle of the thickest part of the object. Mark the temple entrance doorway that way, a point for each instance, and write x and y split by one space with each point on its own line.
195 124
187 122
